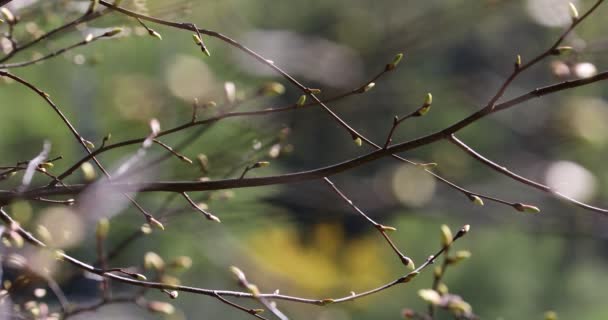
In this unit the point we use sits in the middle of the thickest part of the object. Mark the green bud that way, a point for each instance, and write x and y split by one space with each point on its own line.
182 262
446 235
301 100
476 200
155 34
358 141
459 256
562 50
46 165
314 91
238 274
430 296
526 208
386 228
550 315
429 99
395 62
197 39
410 276
103 227
153 261
112 32
156 224
88 143
260 164
88 172
140 277
272 89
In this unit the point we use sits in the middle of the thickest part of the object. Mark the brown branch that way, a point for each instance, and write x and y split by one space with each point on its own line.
29 238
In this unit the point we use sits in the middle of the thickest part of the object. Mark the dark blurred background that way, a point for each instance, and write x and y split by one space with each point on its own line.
301 238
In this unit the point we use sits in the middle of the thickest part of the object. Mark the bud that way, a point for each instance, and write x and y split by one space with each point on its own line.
155 34
92 6
446 235
409 277
103 227
358 141
429 295
8 15
112 32
518 61
395 62
173 294
230 91
386 228
203 162
88 172
197 39
272 89
573 11
438 272
314 91
156 224
254 290
442 288
44 234
459 256
369 86
46 165
429 99
561 50
426 106
153 261
170 280
550 315
327 301
427 166
182 262
145 228
476 200
88 38
260 164
88 144
238 274
140 277
464 230
161 307
526 208
409 263
301 100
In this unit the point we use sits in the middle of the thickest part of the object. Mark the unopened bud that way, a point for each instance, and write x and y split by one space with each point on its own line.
88 172
446 235
103 227
573 11
395 62
161 307
476 200
112 32
526 208
301 100
153 261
